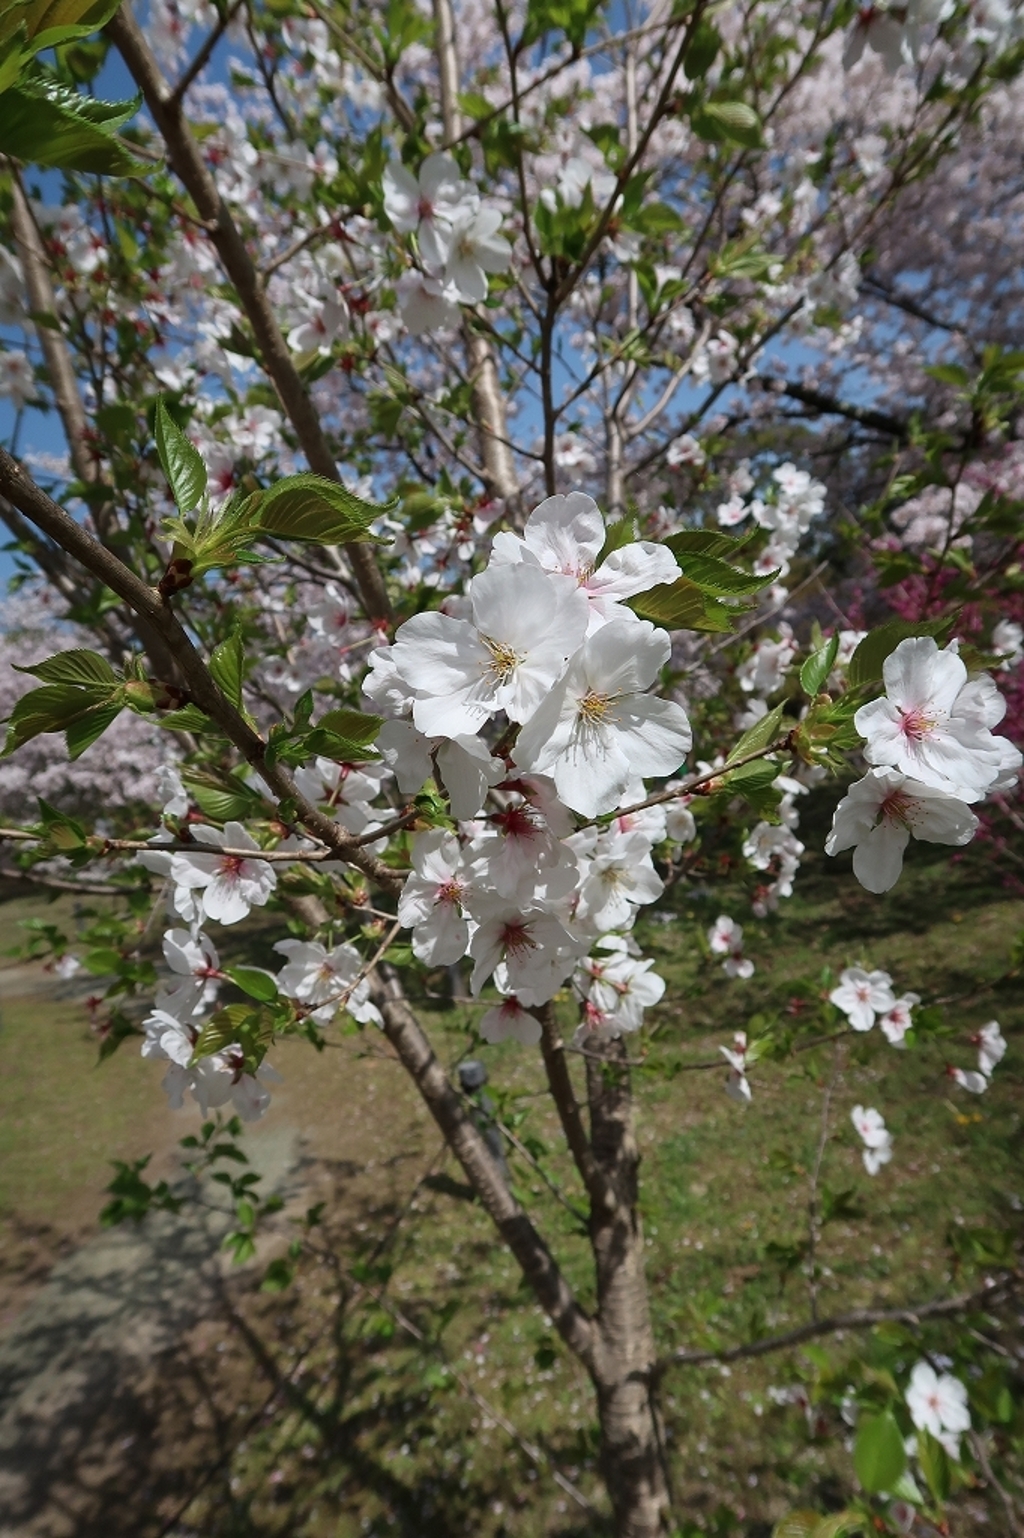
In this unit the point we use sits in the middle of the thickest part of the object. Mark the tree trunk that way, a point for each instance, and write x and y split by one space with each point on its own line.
632 1452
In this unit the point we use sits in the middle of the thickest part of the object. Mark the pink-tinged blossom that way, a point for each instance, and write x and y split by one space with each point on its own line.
510 1021
876 1138
426 303
991 1044
327 980
427 205
17 380
619 986
938 1404
880 814
737 1085
434 898
525 626
231 884
898 1020
934 725
877 29
597 730
538 954
725 937
565 535
863 995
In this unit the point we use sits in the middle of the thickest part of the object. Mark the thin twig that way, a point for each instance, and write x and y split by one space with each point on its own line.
857 1319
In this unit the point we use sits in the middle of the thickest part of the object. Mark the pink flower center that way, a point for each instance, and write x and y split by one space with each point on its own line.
516 938
231 866
915 724
425 208
449 891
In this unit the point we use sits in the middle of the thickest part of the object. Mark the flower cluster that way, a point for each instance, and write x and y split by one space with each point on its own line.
933 754
456 239
875 1136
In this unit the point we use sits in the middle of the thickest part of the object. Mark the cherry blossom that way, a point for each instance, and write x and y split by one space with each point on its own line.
537 952
898 1020
329 980
938 1404
475 249
933 725
434 898
880 814
564 535
510 1021
991 1044
427 205
967 1078
876 1138
737 1085
597 730
524 628
231 884
863 995
620 986
725 937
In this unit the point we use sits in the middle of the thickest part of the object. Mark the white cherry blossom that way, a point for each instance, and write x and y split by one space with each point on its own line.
863 995
880 814
525 626
537 952
875 1136
510 1021
326 979
898 1020
474 249
933 725
564 535
725 937
938 1404
967 1078
427 205
597 729
991 1044
737 1085
434 898
231 884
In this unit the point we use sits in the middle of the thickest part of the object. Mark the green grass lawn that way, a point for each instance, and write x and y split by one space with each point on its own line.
370 1435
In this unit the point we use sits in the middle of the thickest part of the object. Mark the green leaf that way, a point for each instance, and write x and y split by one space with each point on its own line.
879 1456
61 830
758 736
839 1525
935 1466
719 578
755 782
53 708
181 460
796 1524
45 124
818 666
703 542
224 797
867 661
259 985
226 667
73 667
310 507
344 735
277 1277
703 50
732 121
237 1024
81 734
681 605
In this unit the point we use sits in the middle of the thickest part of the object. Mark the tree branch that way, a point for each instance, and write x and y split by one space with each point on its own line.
188 163
30 499
857 1319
